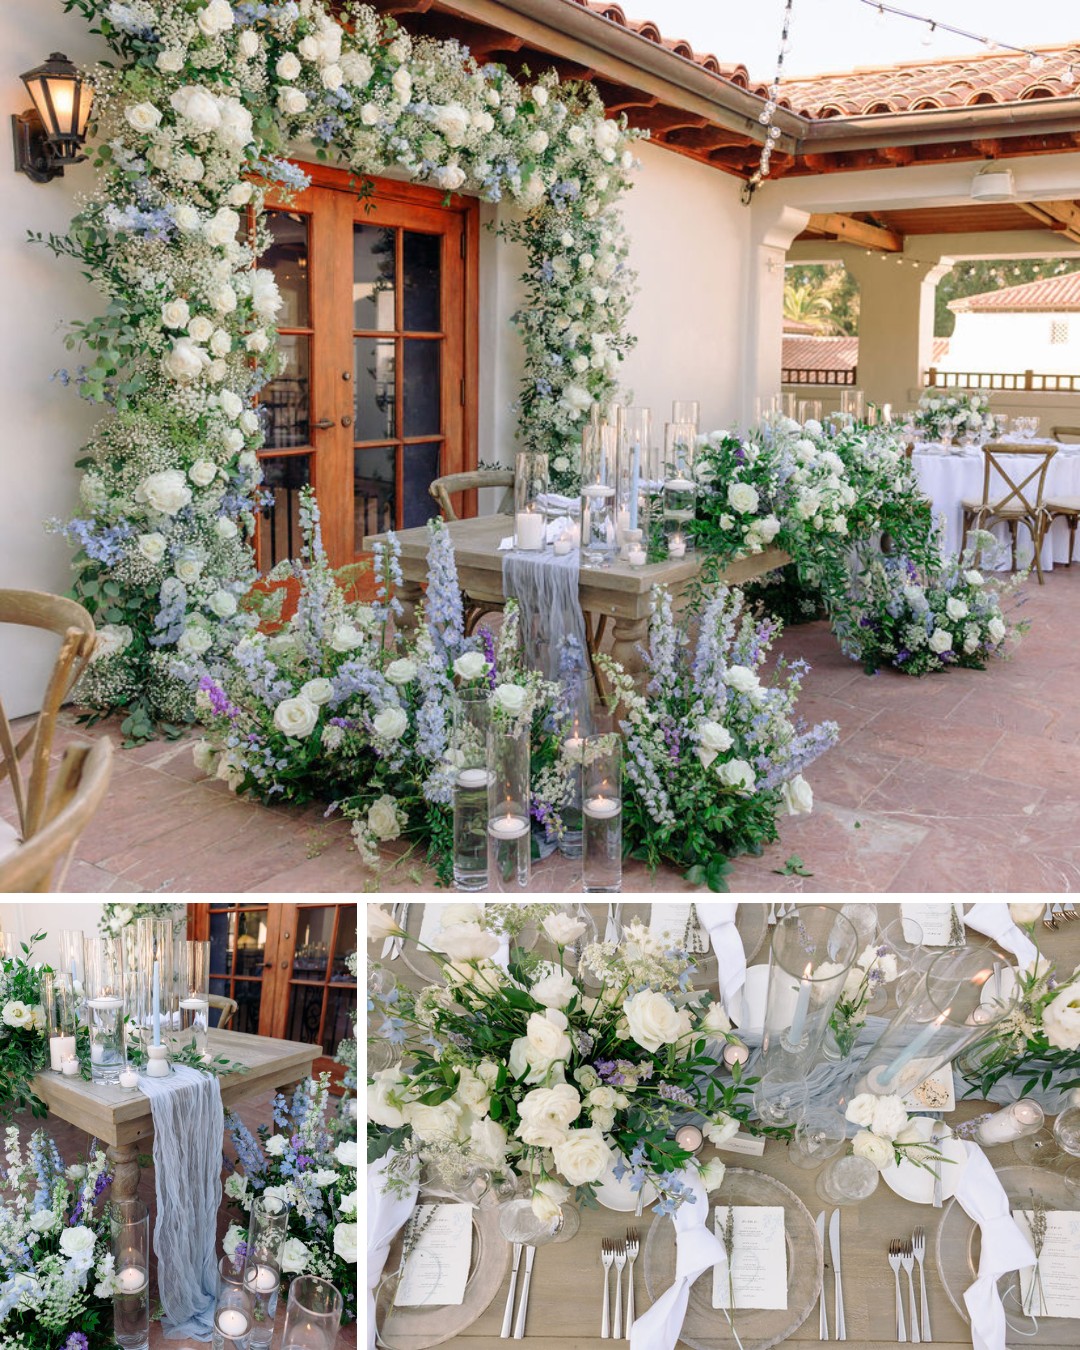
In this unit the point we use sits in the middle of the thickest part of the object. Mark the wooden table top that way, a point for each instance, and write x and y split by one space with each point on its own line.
567 1279
122 1116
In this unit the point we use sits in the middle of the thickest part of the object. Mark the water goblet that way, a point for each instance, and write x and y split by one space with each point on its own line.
1067 1130
1038 1150
847 1180
780 1099
820 1134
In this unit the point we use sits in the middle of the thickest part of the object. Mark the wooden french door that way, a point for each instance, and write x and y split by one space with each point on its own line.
378 335
286 967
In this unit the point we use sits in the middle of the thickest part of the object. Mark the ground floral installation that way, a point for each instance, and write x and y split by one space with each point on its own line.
550 1076
192 125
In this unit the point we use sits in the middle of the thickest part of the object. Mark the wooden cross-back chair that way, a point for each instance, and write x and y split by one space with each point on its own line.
75 628
79 786
442 489
1019 503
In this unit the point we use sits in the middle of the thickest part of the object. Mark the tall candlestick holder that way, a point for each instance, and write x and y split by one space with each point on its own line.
129 1222
601 813
156 1011
73 963
636 470
267 1232
530 487
104 968
193 1003
687 411
680 490
812 951
58 1001
508 829
599 461
471 711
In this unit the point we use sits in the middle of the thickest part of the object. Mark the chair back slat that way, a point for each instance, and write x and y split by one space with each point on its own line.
1016 496
443 488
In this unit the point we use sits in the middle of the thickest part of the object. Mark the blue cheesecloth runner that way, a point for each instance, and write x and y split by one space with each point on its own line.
189 1125
546 589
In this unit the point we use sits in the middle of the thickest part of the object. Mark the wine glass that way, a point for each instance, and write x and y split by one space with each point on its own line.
819 1135
779 1099
1067 1130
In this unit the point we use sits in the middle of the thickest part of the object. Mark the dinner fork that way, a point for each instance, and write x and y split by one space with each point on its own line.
607 1255
1048 916
894 1261
918 1247
632 1249
1067 909
907 1260
620 1262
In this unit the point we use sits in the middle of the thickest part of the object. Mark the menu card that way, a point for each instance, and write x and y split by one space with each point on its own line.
936 1093
437 1268
431 923
935 920
1057 1265
670 921
758 1272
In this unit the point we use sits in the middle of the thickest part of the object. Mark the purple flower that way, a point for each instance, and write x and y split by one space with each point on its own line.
76 1341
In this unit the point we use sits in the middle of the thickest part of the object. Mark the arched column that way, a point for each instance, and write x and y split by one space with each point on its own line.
772 229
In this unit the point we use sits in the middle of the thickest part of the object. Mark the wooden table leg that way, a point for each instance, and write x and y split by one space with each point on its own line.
124 1159
628 635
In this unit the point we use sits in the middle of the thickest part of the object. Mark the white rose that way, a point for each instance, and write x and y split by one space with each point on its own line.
653 1020
444 1123
288 66
175 314
390 724
187 218
555 990
382 1098
721 1129
189 568
716 1020
1061 1019
996 629
974 578
345 1241
860 1110
200 328
798 796
296 717
78 1243
233 440
203 472
380 924
471 666
197 106
265 297
545 1043
185 361
742 679
872 1147
170 60
248 44
222 298
402 84
577 398
956 609
712 738
890 1117
216 18
223 604
472 1092
294 1256
166 492
332 76
291 100
510 697
547 1196
488 1142
152 546
737 773
583 1156
345 1153
222 227
144 117
195 640
276 1145
369 114
940 641
345 638
318 691
257 341
742 498
467 942
712 1174
1025 913
43 1220
546 1114
563 928
402 671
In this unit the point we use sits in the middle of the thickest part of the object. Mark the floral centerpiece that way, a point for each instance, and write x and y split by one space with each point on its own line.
941 414
713 751
57 1276
886 1133
874 967
300 1163
525 1073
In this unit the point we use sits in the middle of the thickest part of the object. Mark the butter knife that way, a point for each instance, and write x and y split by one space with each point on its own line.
838 1286
823 1316
937 1131
523 1302
508 1311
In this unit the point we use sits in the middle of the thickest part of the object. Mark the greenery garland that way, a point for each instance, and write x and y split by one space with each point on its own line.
192 127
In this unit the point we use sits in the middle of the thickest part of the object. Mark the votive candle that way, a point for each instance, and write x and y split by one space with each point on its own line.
689 1137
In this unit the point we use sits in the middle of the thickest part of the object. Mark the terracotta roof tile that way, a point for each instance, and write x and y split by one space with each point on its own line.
835 353
1049 296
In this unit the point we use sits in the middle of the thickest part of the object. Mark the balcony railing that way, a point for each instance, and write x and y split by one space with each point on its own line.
1026 380
808 375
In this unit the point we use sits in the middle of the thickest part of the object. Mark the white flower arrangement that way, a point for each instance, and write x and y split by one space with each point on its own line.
955 413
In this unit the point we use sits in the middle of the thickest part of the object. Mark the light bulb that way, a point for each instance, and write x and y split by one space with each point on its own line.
1068 79
1035 62
928 36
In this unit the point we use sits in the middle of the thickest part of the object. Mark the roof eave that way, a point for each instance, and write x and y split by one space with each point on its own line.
990 120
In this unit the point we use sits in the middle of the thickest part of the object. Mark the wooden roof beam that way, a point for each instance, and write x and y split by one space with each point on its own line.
848 230
1043 213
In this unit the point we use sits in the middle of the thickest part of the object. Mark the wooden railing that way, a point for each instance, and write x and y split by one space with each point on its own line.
1026 380
808 375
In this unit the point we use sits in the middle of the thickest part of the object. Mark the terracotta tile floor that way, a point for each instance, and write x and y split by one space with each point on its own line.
963 781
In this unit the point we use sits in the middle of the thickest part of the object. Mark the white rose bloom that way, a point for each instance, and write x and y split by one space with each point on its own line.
452 121
721 1129
545 1043
471 665
233 440
257 341
265 297
996 629
510 697
200 328
195 640
798 796
1021 912
653 1020
1061 1019
488 1142
890 1117
556 990
381 1110
187 218
742 498
583 1156
390 724
292 101
222 227
402 84
189 568
197 106
537 143
768 528
166 492
319 691
217 370
247 44
463 912
449 177
860 1110
185 361
296 717
712 1174
974 578
203 472
216 18
151 546
742 679
144 117
546 1114
712 739
467 942
175 314
288 66
345 1153
401 672
294 1256
249 422
737 773
333 77
170 60
357 68
716 1020
956 609
563 928
276 1146
445 1123
77 1244
43 1220
230 403
223 604
577 398
346 1241
369 114
872 1147
940 641
346 638
222 298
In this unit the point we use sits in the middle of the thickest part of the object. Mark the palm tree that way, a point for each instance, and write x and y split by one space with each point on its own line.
808 302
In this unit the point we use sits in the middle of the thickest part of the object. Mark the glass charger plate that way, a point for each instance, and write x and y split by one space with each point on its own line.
706 1327
418 1328
958 1248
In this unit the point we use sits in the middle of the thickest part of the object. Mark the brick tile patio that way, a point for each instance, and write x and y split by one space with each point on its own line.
964 781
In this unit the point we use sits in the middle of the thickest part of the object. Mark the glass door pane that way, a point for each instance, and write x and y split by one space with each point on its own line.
238 937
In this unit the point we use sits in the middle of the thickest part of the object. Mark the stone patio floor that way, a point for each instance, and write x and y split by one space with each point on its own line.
962 781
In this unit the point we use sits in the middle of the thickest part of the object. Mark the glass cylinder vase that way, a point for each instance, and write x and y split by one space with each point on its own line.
508 830
105 1008
936 1022
234 1318
193 1004
601 814
471 713
58 1001
129 1225
812 951
73 963
312 1315
530 492
687 411
635 463
680 491
267 1231
599 461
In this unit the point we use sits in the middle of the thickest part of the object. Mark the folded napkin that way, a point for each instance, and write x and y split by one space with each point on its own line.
552 501
1004 1248
696 1249
387 1211
718 916
994 920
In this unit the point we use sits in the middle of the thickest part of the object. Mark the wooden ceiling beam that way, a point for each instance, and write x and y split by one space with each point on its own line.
848 230
700 138
1042 212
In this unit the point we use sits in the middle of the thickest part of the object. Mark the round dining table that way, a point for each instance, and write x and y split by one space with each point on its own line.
951 476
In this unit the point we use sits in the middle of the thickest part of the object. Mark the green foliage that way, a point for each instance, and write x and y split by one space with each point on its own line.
24 1050
824 294
989 274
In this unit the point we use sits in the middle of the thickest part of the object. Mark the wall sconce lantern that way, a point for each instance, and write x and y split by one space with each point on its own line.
52 132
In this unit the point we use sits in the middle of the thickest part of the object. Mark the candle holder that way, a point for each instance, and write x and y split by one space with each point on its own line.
601 814
812 951
194 1001
105 1008
636 469
129 1223
1011 1123
935 1023
234 1318
312 1314
680 490
262 1263
508 830
599 462
471 711
155 988
530 485
58 1001
73 963
687 411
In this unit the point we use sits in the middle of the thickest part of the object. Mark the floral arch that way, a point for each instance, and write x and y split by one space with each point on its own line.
194 122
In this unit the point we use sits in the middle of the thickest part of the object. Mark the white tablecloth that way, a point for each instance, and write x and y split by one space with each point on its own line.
949 479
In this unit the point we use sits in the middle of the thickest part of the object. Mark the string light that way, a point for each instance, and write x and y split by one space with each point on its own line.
1035 61
772 134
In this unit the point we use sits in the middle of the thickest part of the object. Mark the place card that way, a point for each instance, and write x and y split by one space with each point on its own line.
936 921
1057 1265
671 921
758 1273
431 923
437 1268
936 1093
752 1145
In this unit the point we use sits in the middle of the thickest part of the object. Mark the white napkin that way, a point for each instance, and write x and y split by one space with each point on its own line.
994 920
696 1249
387 1211
552 501
1004 1248
718 916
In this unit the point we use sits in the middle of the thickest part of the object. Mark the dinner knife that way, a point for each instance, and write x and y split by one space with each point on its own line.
387 953
937 1131
838 1287
823 1316
403 919
523 1303
508 1311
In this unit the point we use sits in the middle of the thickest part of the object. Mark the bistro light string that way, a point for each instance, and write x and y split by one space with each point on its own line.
1035 61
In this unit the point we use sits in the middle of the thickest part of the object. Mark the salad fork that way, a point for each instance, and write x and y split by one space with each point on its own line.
918 1247
631 1256
894 1262
1067 909
620 1263
907 1260
1048 916
607 1256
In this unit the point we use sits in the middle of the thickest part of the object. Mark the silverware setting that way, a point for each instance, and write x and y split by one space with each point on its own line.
392 947
613 927
937 1133
1049 921
894 1262
823 1316
632 1248
839 1324
607 1257
918 1247
618 1254
508 1311
523 1304
904 1254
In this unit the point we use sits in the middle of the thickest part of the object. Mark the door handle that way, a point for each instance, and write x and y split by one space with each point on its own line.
324 424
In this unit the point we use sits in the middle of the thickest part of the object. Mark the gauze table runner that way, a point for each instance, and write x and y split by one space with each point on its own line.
546 589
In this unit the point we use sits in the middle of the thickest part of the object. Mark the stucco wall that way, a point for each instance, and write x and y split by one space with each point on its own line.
1012 343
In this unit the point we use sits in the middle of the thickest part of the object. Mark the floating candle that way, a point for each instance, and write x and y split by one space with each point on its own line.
508 827
232 1323
473 778
263 1279
130 1279
105 1003
602 808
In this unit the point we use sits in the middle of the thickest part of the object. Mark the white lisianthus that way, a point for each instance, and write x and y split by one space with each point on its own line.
556 990
380 924
563 928
166 492
401 672
203 472
384 1105
223 604
112 638
654 1021
720 1129
711 1174
236 1186
470 666
151 546
1061 1019
296 717
445 1123
143 117
319 690
742 497
577 398
712 739
798 796
346 1241
737 773
716 1020
467 942
18 1014
583 1156
1021 912
546 1114
511 698
940 641
548 1194
216 18
390 724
